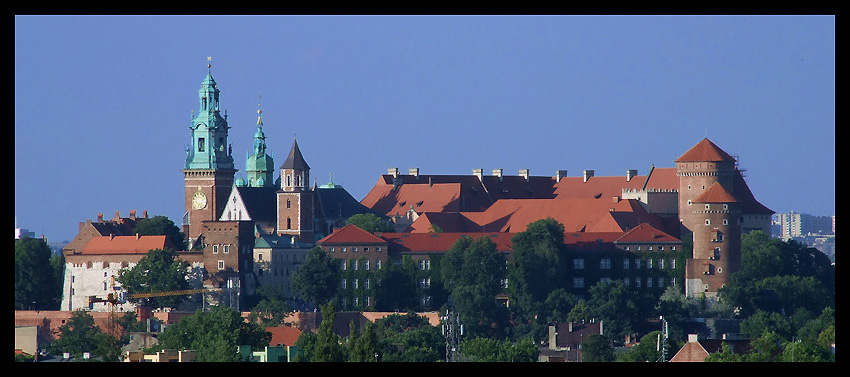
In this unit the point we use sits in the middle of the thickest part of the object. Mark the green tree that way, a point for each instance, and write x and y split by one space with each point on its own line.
79 335
473 271
408 338
161 226
538 259
158 271
597 348
396 288
317 280
38 284
214 335
272 308
363 345
327 347
725 355
621 307
646 350
370 223
480 349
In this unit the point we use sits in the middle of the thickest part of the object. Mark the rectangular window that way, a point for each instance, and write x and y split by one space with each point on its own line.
342 284
578 263
366 283
354 265
625 263
201 144
649 263
354 249
342 265
215 249
366 265
637 264
605 264
226 249
378 264
578 282
221 265
672 264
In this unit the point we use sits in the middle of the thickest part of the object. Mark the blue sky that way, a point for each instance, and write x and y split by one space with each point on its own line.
103 103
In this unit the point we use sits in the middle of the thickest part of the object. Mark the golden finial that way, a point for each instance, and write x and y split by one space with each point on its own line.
209 59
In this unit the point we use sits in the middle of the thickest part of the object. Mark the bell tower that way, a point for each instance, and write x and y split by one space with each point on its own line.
208 172
295 199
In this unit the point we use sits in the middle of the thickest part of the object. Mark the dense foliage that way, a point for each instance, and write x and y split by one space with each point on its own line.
318 279
158 271
214 335
370 223
161 226
39 275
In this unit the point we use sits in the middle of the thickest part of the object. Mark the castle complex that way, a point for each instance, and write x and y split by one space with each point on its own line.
256 230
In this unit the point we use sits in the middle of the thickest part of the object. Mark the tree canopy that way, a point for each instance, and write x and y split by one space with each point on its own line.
370 223
161 226
317 280
38 275
215 335
158 271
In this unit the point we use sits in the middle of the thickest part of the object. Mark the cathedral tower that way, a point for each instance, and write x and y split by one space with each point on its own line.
295 199
259 165
209 170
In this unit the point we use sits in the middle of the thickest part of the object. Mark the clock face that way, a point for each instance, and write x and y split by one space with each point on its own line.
199 201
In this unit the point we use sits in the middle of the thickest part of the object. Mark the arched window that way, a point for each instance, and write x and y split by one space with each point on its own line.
288 203
288 223
289 180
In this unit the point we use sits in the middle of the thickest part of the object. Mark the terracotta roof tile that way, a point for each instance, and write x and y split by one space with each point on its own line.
646 233
283 335
715 194
705 150
440 242
125 244
351 234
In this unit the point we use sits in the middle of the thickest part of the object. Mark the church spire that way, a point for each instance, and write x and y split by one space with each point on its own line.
260 166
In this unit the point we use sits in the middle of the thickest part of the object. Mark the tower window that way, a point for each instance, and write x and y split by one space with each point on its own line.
201 144
288 203
288 223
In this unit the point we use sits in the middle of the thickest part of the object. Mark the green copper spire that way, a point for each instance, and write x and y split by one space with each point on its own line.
260 166
209 148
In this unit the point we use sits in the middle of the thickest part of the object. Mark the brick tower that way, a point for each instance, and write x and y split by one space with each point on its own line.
209 170
295 199
709 210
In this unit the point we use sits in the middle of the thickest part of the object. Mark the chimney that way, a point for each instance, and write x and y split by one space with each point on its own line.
616 199
393 172
111 236
132 214
560 174
100 217
117 216
631 173
145 214
414 172
588 174
497 173
478 173
692 338
524 173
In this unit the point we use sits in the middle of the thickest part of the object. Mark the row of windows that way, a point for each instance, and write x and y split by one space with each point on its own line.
638 282
649 248
354 249
605 263
355 283
224 248
356 301
355 265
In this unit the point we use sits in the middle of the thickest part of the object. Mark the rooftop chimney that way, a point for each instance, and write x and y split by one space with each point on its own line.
145 214
497 173
100 217
631 173
393 172
560 174
523 173
414 172
132 214
478 173
588 174
117 216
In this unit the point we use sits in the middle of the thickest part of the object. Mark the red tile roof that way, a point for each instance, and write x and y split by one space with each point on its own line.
662 179
125 244
646 233
441 242
284 335
351 234
705 150
715 194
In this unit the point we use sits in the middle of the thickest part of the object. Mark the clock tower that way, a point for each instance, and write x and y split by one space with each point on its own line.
209 170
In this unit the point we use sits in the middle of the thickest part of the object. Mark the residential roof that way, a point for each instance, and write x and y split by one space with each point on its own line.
388 201
644 233
125 244
350 234
703 151
283 335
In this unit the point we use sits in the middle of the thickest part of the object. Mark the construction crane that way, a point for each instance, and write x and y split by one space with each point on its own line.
121 297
